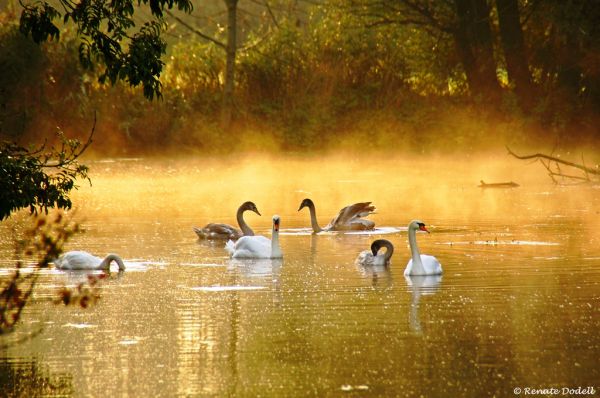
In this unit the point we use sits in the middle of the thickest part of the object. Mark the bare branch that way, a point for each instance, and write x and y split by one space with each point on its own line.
196 31
552 164
556 160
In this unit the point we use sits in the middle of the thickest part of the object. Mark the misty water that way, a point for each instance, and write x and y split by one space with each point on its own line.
518 305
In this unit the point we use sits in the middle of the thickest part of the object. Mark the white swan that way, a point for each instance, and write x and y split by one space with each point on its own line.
226 231
420 264
257 246
371 258
348 219
80 260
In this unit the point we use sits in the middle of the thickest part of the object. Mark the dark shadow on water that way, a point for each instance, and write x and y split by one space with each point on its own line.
24 377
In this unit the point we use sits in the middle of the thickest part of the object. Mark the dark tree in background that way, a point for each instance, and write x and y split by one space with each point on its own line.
473 36
547 46
513 45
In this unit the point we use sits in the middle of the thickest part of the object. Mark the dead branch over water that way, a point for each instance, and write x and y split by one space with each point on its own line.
553 165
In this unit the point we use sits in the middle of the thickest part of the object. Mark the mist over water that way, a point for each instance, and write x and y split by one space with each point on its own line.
517 305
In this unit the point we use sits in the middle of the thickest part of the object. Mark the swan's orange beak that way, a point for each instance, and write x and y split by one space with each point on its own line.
276 226
422 228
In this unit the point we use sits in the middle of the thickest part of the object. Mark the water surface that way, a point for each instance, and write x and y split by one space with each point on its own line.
518 304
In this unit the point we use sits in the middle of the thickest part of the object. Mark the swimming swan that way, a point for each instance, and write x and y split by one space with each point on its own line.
257 246
420 264
371 258
348 219
226 231
80 260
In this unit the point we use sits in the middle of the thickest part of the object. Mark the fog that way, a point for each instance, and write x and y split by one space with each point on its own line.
427 187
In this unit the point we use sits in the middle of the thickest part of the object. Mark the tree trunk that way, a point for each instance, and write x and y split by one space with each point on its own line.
227 111
473 37
511 35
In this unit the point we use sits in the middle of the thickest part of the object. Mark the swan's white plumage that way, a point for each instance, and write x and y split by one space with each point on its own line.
431 266
420 264
249 247
367 258
81 260
375 257
256 246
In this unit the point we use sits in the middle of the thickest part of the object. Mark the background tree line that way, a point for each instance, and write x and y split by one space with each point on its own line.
430 75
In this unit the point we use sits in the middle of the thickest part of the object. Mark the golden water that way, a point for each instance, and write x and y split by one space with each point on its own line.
518 304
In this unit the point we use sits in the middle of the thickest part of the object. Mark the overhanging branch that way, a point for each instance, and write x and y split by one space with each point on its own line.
553 165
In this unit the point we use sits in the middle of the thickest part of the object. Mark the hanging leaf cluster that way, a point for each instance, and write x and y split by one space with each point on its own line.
39 179
109 36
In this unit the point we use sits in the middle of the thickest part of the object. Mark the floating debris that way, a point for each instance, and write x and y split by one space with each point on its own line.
510 184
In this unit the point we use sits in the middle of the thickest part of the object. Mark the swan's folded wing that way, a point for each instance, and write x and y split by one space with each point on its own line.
349 215
364 258
217 231
252 247
77 260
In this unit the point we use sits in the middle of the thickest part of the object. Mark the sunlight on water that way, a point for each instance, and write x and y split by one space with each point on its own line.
518 304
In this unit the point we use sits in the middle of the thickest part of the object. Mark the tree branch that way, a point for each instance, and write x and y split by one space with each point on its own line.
536 156
196 31
553 164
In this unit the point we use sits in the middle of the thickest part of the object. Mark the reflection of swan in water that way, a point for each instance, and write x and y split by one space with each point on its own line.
257 246
226 231
78 277
372 258
348 219
377 273
257 267
262 272
420 285
420 264
80 260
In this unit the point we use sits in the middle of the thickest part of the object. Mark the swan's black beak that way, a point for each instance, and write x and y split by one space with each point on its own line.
257 212
301 207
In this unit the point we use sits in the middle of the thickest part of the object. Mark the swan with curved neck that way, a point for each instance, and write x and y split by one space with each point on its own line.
371 257
215 231
80 260
348 219
420 264
257 246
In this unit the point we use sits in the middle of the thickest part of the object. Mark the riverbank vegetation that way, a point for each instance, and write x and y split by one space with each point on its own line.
365 75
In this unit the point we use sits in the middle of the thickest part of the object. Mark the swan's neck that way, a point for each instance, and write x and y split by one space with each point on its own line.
389 250
313 219
417 264
246 230
275 248
105 264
